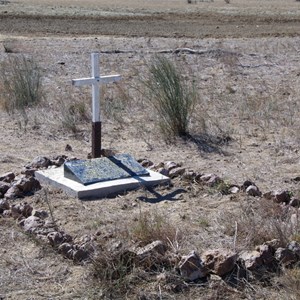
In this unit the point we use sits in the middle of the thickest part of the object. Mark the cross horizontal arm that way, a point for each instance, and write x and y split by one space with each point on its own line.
92 80
84 81
110 78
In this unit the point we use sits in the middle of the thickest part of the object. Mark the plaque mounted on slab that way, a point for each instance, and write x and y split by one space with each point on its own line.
103 169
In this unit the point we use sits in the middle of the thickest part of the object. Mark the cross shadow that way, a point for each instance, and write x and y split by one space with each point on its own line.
121 165
208 143
158 197
143 183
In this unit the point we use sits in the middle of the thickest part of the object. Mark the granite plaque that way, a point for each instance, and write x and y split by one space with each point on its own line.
103 169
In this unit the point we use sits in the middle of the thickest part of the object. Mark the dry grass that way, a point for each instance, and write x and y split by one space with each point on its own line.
290 280
21 84
258 221
152 226
249 92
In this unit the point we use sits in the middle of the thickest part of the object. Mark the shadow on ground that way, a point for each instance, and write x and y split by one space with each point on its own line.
207 143
157 197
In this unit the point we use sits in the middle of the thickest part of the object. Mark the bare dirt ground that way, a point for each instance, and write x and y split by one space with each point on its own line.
152 18
246 126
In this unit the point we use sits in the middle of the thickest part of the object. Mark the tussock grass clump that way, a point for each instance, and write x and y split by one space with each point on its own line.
21 83
172 98
290 281
112 272
120 270
259 221
110 266
152 226
74 113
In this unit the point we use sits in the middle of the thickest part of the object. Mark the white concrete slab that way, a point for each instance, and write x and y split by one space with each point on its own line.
55 177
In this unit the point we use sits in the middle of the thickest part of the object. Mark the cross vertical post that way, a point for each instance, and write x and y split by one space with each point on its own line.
96 121
95 81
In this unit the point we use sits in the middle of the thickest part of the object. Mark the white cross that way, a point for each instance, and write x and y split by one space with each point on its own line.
95 82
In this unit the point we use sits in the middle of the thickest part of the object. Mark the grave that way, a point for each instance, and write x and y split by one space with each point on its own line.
103 169
99 177
56 178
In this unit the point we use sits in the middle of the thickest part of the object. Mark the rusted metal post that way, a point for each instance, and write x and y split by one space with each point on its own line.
96 139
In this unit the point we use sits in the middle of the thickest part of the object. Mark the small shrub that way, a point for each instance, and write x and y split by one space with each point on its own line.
7 48
73 114
172 98
112 270
153 226
21 84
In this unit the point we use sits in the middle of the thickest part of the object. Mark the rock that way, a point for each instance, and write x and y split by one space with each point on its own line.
163 171
234 189
191 267
206 177
274 244
295 202
151 256
80 255
7 177
28 184
169 165
146 163
266 254
281 196
4 205
66 250
28 171
40 162
13 192
211 179
58 161
252 190
50 224
86 242
58 237
6 213
246 184
21 210
68 148
157 166
22 187
84 239
220 261
31 223
251 260
4 187
175 172
42 214
154 247
295 248
214 180
285 256
189 175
